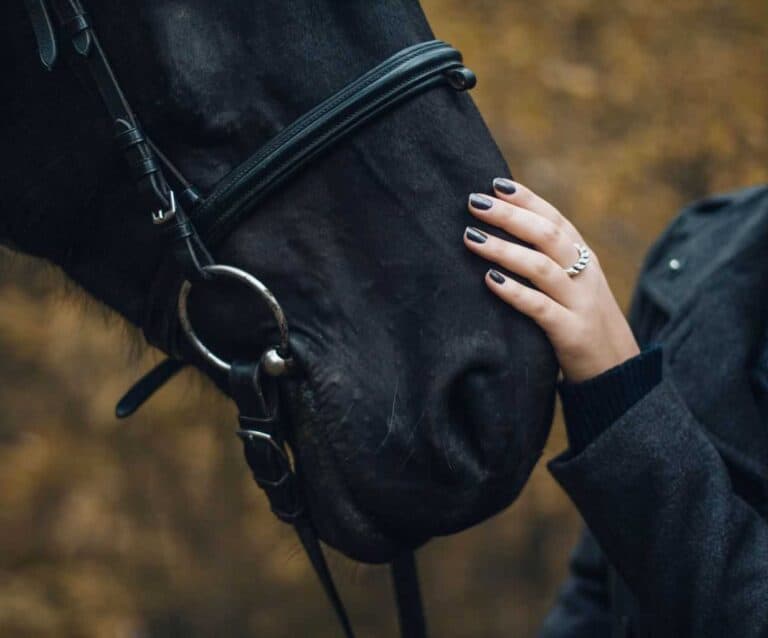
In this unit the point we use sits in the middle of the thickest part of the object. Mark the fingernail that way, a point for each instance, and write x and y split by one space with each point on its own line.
496 276
475 234
481 202
504 185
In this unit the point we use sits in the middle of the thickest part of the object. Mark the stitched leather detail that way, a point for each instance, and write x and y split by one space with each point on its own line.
45 35
75 25
143 166
408 73
129 137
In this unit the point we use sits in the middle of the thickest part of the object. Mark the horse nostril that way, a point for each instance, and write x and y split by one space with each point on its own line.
472 408
473 402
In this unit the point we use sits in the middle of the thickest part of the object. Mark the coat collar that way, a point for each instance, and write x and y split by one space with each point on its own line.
706 237
708 274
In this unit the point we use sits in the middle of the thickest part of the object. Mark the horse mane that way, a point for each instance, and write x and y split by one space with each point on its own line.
44 278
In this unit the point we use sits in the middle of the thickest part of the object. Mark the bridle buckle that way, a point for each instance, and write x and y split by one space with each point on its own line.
161 216
272 471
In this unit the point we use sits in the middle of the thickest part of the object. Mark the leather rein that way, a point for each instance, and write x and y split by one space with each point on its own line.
187 221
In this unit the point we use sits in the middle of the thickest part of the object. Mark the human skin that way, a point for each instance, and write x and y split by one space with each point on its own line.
579 314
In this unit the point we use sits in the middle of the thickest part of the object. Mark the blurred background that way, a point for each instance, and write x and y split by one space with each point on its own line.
619 111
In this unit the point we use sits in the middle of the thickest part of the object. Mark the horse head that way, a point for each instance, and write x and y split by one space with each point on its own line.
420 402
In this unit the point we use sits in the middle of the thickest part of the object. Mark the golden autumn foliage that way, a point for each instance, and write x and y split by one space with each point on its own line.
618 111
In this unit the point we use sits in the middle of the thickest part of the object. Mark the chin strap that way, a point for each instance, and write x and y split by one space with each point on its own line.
265 451
410 608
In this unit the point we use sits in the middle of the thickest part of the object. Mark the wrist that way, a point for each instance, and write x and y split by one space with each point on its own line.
587 369
591 406
602 355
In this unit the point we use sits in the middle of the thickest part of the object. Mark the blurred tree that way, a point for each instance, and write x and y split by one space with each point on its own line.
617 111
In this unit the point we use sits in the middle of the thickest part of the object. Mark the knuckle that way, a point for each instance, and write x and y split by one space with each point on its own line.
523 195
558 217
490 250
550 234
498 251
565 225
508 253
506 215
542 267
515 292
539 307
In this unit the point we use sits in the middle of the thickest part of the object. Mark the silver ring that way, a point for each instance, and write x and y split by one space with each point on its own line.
581 263
272 355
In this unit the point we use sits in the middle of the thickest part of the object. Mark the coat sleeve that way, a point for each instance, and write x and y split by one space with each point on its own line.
659 500
582 606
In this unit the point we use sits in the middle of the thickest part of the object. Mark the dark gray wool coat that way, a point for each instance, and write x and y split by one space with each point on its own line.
675 491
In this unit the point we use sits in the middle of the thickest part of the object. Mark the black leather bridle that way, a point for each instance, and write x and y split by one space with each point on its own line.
187 221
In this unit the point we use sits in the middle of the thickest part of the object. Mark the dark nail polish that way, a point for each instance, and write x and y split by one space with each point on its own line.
496 276
503 185
481 202
476 235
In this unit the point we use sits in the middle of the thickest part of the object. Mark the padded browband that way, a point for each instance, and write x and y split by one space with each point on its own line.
411 71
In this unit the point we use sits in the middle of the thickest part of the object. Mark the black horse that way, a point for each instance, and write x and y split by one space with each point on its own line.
422 402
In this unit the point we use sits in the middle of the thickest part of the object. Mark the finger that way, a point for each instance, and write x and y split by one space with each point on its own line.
537 267
515 193
550 315
550 238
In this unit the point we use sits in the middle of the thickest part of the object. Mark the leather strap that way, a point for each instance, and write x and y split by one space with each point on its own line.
75 24
314 551
143 158
146 386
42 25
264 449
91 59
410 609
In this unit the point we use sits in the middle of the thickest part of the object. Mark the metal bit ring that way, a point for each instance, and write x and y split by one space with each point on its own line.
276 360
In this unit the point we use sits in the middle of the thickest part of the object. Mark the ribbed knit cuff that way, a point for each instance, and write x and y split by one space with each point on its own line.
591 406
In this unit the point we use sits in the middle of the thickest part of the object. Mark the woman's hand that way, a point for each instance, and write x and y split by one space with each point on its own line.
579 314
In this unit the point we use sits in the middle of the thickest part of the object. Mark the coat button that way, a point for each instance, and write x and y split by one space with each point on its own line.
675 264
